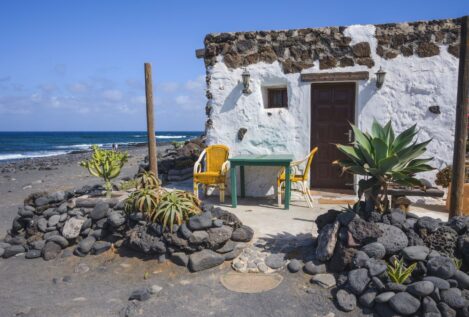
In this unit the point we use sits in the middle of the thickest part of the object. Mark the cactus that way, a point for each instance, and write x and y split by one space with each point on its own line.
106 164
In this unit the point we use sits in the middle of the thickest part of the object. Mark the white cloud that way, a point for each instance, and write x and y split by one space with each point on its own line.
182 100
112 95
169 86
197 84
78 87
140 100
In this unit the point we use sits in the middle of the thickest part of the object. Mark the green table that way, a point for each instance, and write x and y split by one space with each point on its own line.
283 160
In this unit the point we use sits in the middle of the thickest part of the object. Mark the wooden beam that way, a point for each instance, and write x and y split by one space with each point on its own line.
152 156
339 76
200 53
460 137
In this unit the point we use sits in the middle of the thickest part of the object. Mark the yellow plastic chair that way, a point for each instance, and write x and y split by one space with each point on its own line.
297 177
216 168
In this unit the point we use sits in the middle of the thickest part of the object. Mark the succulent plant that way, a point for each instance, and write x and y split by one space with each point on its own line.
175 207
147 180
384 158
144 200
397 271
106 164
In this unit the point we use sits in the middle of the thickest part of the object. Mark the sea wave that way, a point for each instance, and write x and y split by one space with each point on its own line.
15 156
171 136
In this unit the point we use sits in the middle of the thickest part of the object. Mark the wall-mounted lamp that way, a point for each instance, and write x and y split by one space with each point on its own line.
246 77
380 74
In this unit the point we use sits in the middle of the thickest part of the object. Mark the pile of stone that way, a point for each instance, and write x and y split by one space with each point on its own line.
175 161
357 247
83 222
205 241
50 223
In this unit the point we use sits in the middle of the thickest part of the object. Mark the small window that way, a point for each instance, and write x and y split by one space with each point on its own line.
277 98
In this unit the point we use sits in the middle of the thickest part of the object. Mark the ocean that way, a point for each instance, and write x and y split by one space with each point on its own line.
20 145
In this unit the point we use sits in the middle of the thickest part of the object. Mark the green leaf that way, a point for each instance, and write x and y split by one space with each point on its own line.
361 138
380 149
404 139
377 131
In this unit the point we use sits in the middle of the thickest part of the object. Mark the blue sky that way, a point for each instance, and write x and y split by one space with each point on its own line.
78 65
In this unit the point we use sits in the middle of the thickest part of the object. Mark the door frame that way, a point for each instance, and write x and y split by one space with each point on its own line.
355 116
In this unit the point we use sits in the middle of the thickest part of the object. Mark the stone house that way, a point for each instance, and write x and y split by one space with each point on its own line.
305 85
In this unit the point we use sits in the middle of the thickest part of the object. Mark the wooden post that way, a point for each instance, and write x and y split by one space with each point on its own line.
152 154
460 137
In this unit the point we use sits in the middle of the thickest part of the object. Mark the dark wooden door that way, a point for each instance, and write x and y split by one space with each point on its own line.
332 108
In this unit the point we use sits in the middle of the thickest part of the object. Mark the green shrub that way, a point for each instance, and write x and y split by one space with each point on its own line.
129 184
398 273
457 263
144 200
443 177
147 180
106 164
384 158
175 207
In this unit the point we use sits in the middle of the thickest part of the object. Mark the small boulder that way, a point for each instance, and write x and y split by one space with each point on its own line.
180 258
198 237
453 298
141 294
53 220
428 223
374 250
462 278
51 250
346 301
100 247
439 283
324 280
384 297
393 239
421 288
59 240
242 234
441 266
358 280
415 253
204 260
32 254
294 266
116 219
429 308
13 250
359 259
314 267
86 244
99 211
72 228
275 261
200 222
327 240
219 235
404 303
376 267
367 299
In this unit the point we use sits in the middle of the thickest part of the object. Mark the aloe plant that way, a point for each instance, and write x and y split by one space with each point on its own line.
147 180
397 271
106 164
175 207
144 200
384 158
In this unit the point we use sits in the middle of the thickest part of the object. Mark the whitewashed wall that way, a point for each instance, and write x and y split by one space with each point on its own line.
412 85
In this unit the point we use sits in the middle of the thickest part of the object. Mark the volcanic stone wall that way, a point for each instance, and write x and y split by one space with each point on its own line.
298 49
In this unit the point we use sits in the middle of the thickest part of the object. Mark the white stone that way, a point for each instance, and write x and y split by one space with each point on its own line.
72 228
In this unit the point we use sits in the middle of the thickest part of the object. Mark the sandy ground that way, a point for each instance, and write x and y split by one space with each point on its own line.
62 287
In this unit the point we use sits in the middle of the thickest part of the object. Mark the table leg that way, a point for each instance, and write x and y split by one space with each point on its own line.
287 187
234 199
241 174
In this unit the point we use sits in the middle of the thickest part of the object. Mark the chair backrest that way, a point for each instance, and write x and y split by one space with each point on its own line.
217 154
308 163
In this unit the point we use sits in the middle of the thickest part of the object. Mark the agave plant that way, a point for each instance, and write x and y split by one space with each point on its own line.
147 180
384 158
144 200
175 207
398 273
105 164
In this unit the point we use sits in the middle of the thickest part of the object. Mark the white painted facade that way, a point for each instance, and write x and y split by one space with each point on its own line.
412 84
